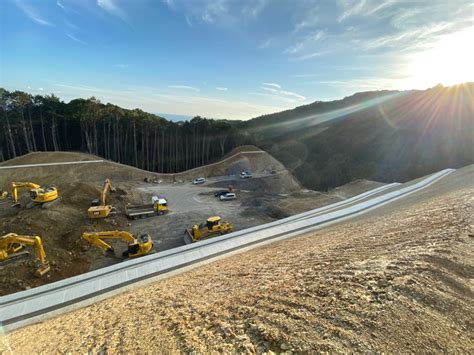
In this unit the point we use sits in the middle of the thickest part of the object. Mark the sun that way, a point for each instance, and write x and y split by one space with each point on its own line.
449 62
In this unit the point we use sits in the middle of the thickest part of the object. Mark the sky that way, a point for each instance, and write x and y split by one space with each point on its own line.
232 59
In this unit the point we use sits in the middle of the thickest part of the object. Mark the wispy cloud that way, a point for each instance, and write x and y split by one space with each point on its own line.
220 88
121 66
308 41
184 87
112 8
312 55
266 43
275 85
60 5
32 13
74 38
275 91
256 7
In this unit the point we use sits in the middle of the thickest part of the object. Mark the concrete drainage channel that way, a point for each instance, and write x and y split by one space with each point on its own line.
43 302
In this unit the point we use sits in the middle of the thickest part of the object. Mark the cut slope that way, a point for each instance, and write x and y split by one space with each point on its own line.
396 282
247 158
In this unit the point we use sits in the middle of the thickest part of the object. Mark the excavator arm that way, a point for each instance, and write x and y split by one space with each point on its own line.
107 188
11 243
21 185
97 238
135 247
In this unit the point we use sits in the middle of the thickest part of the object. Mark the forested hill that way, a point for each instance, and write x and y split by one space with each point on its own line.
382 135
45 123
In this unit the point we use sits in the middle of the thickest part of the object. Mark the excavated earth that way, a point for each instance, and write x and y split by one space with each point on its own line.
398 279
273 193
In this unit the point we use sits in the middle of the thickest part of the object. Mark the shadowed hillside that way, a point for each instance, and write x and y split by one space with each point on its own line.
382 136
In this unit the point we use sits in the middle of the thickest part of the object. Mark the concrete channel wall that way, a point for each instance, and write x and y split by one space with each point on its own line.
30 306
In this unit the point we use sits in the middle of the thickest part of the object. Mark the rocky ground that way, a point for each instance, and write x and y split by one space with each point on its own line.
390 282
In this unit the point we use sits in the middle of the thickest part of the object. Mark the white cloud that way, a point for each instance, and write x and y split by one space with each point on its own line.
275 91
275 85
74 38
40 89
307 42
121 66
184 87
351 9
112 8
256 8
32 14
266 44
220 88
188 21
60 5
312 55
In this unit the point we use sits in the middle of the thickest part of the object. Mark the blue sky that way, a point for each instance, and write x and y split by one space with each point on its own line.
232 59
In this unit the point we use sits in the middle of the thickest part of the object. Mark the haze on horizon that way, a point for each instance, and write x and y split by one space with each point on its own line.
233 59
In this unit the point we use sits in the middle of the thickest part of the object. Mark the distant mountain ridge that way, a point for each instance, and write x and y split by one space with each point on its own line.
383 135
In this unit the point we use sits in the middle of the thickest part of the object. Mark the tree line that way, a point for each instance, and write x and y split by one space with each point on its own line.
134 137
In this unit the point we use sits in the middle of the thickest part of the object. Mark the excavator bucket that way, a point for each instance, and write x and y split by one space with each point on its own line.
42 270
188 237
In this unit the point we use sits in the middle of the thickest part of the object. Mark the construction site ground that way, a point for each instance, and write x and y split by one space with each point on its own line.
271 194
397 279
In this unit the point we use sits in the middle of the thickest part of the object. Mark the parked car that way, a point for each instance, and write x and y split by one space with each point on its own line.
220 193
245 175
198 181
228 196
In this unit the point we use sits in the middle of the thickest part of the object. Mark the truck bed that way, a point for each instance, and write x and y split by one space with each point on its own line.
139 210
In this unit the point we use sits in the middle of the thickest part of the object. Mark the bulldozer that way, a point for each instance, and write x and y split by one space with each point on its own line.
45 196
140 246
99 207
12 245
213 227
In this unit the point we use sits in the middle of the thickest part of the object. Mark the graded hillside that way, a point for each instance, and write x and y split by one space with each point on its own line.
246 158
396 280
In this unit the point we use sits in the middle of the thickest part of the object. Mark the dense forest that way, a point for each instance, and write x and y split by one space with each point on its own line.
381 135
45 123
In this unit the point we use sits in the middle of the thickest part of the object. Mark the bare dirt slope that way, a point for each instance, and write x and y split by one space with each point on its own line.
393 282
61 227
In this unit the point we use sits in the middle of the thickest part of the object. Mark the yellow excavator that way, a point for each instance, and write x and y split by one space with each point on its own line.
12 245
99 208
211 228
140 246
46 196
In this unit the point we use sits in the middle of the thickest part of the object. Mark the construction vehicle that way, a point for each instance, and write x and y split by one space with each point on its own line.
211 228
45 196
136 246
99 207
159 207
12 245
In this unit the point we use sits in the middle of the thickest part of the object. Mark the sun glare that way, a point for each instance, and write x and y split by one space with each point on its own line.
449 62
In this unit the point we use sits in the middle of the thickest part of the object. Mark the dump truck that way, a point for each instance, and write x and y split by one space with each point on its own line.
158 208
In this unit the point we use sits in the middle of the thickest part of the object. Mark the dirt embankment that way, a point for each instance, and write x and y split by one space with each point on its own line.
391 283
